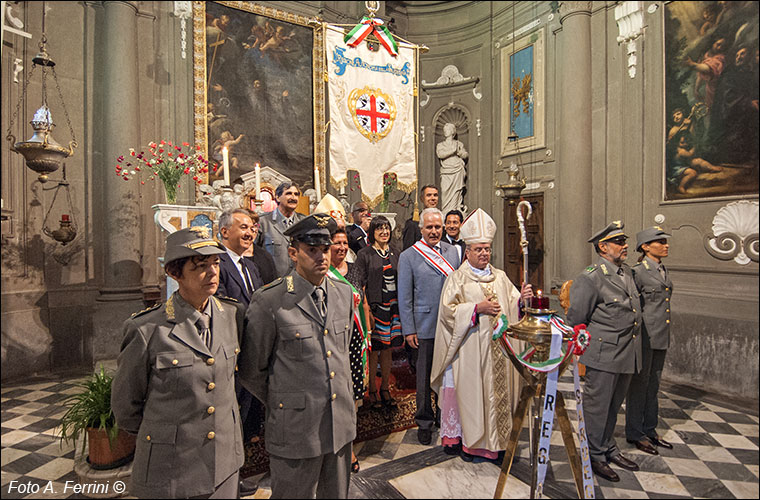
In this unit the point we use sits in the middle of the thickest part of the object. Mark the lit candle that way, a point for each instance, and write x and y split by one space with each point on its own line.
226 166
317 187
257 171
65 218
538 301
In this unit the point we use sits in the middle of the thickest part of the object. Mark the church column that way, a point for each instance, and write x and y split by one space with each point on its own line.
120 228
574 169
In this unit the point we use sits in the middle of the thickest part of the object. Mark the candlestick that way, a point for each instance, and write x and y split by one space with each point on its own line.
317 187
257 171
226 166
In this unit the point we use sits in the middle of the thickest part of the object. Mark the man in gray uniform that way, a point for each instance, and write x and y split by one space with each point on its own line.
174 385
605 298
652 280
295 359
275 223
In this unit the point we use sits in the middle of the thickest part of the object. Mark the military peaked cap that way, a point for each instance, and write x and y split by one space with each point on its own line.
613 230
313 230
191 242
650 234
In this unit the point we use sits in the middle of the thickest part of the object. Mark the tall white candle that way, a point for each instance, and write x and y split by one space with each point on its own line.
257 171
317 187
226 166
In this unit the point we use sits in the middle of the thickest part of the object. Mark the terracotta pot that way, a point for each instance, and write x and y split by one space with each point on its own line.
104 455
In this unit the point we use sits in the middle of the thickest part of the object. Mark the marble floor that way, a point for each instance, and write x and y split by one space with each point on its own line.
715 453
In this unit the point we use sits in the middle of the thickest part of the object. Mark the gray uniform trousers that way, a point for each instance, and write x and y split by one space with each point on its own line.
425 416
642 407
228 489
325 476
603 394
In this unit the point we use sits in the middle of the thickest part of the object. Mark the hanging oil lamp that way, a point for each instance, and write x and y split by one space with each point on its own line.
41 152
67 229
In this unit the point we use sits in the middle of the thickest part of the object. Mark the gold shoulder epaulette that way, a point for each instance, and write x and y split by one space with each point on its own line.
224 297
273 283
151 308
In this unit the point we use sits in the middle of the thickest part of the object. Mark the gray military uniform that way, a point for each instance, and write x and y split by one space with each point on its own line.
178 396
641 407
609 304
271 236
298 364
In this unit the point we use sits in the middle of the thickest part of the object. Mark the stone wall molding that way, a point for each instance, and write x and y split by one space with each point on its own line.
734 233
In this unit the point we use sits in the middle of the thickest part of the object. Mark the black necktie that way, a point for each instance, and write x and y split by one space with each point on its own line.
204 329
319 300
247 279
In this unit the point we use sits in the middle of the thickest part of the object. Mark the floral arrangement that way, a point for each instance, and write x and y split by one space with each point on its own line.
165 161
390 179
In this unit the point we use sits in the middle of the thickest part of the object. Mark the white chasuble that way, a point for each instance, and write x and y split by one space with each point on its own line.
487 386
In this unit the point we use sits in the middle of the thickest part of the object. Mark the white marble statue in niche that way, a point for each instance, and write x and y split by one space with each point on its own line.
453 156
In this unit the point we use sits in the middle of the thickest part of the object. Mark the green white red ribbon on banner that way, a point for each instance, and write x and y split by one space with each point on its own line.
372 25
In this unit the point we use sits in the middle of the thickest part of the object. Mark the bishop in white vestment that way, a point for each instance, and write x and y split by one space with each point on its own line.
477 386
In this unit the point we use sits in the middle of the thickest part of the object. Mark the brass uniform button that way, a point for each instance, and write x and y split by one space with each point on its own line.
667 310
325 332
666 289
237 350
211 410
334 396
634 336
298 335
667 299
236 367
329 353
211 435
634 310
332 374
211 386
615 300
635 323
280 405
667 321
210 361
175 362
147 438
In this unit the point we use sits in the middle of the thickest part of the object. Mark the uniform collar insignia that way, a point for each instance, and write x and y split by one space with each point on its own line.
170 308
289 283
646 264
604 269
218 304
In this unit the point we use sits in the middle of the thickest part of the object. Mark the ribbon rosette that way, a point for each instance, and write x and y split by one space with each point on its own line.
369 25
581 339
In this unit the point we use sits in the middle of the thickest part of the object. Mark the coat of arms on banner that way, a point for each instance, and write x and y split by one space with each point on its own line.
373 112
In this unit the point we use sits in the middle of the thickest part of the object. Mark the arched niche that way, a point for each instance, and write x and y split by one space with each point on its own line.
460 117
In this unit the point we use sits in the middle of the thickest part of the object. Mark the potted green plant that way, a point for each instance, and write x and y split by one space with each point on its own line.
89 416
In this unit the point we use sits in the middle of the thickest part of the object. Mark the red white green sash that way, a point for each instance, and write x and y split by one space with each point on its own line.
365 27
433 258
359 320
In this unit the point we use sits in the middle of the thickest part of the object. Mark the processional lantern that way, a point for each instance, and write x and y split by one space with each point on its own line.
42 153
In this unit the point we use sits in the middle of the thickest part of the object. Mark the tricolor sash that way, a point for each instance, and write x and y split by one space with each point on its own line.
434 259
359 319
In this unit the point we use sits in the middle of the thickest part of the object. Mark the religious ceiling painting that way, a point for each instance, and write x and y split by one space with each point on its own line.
522 94
255 89
711 100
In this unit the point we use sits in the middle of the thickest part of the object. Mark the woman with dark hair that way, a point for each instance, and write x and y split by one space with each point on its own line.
374 273
358 348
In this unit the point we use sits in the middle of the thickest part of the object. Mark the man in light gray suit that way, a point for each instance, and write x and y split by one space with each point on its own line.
174 385
422 270
653 281
605 298
275 223
295 359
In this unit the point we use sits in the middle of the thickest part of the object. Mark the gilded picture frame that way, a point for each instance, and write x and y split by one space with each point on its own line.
710 129
523 85
259 89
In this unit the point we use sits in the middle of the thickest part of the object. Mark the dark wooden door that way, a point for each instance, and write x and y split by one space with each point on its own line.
534 229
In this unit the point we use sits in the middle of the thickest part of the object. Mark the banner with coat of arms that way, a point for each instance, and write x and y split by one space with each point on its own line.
371 98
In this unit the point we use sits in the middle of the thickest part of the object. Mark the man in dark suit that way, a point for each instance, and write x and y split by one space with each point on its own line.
429 199
239 276
357 232
605 298
452 224
275 223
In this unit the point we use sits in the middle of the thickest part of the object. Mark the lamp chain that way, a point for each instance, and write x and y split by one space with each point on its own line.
9 135
65 111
